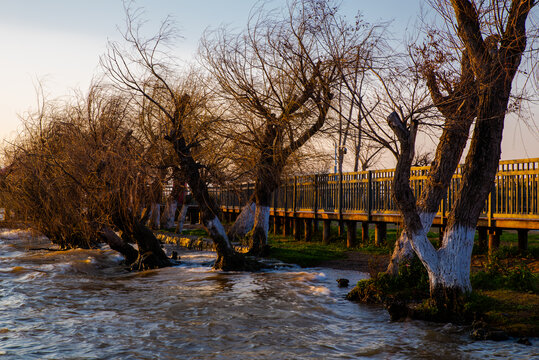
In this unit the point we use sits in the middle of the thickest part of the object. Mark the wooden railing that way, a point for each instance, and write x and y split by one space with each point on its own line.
365 195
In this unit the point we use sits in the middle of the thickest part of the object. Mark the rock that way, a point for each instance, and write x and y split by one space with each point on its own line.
478 334
479 324
496 335
484 334
397 309
524 341
343 282
174 255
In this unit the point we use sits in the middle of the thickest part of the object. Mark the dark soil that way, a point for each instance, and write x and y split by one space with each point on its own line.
358 261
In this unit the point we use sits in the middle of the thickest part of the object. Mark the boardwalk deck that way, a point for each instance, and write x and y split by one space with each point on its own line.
366 197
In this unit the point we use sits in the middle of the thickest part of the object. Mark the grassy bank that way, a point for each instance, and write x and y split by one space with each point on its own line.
303 253
505 296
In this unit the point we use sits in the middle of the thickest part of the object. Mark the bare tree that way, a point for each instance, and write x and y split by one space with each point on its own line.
145 72
280 74
76 174
369 52
489 39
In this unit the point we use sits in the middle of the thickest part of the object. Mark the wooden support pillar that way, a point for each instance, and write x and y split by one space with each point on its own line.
522 239
308 225
350 234
494 239
287 226
192 216
364 232
341 227
326 231
316 226
297 228
276 224
482 237
380 231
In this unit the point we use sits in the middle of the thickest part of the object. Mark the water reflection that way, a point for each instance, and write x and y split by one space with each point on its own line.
82 304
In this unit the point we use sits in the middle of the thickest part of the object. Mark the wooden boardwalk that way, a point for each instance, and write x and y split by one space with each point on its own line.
366 197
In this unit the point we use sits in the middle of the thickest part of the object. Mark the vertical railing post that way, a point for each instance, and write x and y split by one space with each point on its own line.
442 204
295 194
315 184
369 195
286 196
491 205
227 201
275 192
315 215
340 199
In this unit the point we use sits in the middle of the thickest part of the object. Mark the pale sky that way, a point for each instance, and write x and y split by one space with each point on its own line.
58 43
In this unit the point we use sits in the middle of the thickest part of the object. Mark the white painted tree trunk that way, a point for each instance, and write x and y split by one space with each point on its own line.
259 236
403 247
449 266
244 223
155 217
401 252
262 215
455 259
216 230
167 219
181 218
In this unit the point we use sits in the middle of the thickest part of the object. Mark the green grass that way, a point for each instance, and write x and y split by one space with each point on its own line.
510 237
302 253
512 311
195 232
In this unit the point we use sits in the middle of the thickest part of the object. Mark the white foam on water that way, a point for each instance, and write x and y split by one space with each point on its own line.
320 290
14 234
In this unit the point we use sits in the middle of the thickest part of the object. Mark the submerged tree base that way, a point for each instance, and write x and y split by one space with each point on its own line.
149 261
492 314
237 262
405 301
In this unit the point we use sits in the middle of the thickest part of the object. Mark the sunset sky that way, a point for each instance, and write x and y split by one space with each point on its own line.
58 43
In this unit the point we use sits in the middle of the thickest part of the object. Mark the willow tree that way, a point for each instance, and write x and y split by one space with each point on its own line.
280 75
76 174
143 70
491 40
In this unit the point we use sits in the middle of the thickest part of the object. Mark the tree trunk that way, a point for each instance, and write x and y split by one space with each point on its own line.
151 255
453 270
155 216
181 218
167 218
449 266
118 244
266 182
227 258
244 223
259 235
459 109
175 199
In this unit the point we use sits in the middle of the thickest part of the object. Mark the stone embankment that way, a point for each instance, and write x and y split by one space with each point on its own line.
186 241
192 242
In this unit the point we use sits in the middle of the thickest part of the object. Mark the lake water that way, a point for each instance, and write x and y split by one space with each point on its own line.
81 304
